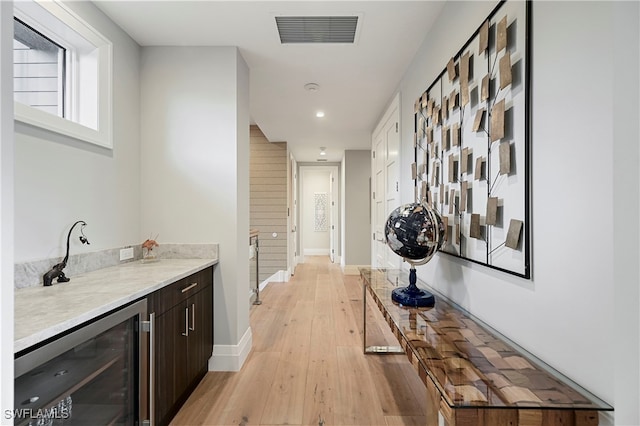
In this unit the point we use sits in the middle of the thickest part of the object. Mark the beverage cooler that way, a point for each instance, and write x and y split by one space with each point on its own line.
97 374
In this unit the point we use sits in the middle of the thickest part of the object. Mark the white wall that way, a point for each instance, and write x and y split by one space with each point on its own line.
356 205
6 207
195 171
625 134
313 180
59 180
49 181
579 312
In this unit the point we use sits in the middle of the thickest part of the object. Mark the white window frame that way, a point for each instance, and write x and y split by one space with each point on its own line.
88 102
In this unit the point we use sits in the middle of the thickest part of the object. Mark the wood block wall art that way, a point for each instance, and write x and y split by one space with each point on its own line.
505 158
484 37
464 80
505 70
474 228
474 119
492 211
463 196
477 175
452 168
455 134
497 121
445 220
502 34
513 236
478 120
453 100
484 88
445 137
451 70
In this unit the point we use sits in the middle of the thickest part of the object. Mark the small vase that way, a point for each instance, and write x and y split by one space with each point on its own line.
148 256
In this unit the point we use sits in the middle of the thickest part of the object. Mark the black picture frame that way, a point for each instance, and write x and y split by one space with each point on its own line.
472 133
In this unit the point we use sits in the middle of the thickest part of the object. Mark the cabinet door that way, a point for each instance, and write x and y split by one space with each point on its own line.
204 317
193 367
171 360
200 344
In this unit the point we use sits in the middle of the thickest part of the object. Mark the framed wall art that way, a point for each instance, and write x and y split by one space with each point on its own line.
472 136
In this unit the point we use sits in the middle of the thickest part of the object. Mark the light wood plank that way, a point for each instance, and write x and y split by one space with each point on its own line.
356 402
307 365
285 401
395 396
210 396
297 333
322 383
405 420
346 327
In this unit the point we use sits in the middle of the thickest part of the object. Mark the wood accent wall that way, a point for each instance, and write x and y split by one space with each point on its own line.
268 201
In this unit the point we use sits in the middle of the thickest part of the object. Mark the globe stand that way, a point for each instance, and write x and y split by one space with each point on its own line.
411 295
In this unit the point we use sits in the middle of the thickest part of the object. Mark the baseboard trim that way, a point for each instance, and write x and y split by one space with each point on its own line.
278 277
316 252
231 357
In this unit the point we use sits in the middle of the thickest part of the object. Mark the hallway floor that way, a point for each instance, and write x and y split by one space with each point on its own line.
307 366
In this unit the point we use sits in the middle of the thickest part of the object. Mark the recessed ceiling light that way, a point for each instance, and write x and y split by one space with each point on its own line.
322 150
320 114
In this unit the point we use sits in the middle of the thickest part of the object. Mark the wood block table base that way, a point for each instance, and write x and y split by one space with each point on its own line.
474 376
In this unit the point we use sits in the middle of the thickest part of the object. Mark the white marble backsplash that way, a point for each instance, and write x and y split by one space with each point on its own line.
186 251
29 274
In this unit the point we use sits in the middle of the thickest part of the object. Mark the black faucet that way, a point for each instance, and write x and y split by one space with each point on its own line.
56 270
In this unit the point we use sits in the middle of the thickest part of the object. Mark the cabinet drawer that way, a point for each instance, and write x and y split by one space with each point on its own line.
171 295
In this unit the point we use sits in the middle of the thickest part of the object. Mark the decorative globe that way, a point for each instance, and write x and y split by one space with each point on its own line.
414 232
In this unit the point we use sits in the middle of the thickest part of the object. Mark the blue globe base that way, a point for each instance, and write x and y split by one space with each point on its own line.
411 295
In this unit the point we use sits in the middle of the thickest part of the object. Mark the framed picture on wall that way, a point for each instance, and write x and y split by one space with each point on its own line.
472 142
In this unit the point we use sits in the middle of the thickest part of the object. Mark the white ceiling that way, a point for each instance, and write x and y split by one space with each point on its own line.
356 81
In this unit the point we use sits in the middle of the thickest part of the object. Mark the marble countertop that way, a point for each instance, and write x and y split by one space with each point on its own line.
43 312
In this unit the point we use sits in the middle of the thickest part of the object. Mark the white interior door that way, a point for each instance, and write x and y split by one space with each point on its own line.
385 184
293 216
392 136
332 219
379 203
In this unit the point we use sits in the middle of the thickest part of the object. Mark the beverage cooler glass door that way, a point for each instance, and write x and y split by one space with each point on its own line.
95 375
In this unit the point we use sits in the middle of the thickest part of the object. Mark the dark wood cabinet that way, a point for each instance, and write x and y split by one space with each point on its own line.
183 340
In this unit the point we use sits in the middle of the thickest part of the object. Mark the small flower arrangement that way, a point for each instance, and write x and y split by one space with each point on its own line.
147 249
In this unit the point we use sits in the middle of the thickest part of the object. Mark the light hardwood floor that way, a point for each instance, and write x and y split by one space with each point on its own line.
307 366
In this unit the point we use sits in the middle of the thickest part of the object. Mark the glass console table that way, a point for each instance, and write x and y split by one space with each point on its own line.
473 375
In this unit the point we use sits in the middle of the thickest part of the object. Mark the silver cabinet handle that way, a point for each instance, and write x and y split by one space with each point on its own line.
186 322
193 317
184 290
152 369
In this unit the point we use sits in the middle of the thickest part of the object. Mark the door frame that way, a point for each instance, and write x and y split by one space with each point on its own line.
292 216
334 225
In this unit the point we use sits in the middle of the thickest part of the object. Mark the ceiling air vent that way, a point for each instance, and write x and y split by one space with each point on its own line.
317 29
